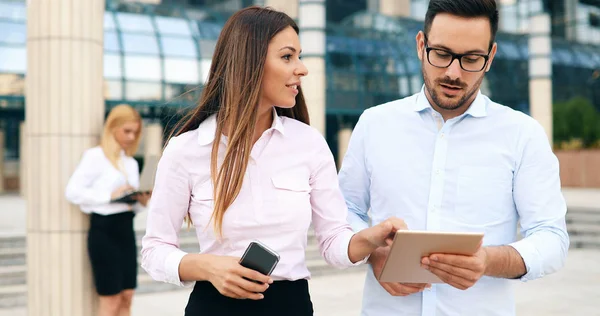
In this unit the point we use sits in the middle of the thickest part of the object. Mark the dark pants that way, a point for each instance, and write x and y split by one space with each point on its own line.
289 298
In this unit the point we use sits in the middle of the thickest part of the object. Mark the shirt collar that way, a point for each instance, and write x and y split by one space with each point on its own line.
477 109
207 129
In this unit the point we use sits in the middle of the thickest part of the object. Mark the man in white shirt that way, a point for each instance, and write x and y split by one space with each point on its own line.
450 159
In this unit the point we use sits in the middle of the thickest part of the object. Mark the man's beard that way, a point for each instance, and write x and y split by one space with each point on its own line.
450 105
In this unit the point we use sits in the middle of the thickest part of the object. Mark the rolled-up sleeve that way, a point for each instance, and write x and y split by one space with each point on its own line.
354 178
161 255
541 207
329 211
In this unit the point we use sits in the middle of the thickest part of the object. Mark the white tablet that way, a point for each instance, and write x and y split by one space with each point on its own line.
403 263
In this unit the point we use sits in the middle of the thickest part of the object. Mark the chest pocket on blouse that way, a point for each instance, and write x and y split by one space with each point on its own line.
484 195
202 203
290 205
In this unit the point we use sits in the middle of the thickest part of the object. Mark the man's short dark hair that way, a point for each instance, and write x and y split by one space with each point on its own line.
465 9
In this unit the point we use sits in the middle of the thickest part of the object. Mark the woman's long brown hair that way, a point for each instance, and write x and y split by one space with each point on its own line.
233 94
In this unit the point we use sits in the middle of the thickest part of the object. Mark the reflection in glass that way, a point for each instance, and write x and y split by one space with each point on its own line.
142 91
13 11
343 81
403 89
205 30
13 33
142 68
134 22
207 48
416 83
109 21
182 93
112 66
507 49
205 70
173 26
13 59
111 42
12 84
181 70
135 43
113 90
181 47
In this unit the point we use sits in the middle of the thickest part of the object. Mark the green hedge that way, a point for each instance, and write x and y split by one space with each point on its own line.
576 124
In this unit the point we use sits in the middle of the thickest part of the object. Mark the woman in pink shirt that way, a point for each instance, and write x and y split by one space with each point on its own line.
244 166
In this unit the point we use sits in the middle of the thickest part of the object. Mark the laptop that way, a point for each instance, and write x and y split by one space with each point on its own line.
146 181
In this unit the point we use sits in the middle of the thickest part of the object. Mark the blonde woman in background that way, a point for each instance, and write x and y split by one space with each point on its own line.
104 173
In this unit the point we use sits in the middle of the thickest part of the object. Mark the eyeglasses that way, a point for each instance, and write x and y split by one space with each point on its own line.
442 58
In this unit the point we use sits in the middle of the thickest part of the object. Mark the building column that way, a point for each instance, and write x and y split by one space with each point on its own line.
23 157
64 113
343 141
290 7
395 8
540 71
153 142
2 143
311 17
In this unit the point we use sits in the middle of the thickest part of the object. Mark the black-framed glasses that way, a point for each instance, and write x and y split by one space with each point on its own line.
442 58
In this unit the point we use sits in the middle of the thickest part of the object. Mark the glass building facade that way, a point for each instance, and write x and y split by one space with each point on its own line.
157 57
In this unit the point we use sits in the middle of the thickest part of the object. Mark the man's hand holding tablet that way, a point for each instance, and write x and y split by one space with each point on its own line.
455 258
459 271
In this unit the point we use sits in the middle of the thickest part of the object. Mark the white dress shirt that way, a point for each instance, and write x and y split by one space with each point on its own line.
291 181
94 180
479 172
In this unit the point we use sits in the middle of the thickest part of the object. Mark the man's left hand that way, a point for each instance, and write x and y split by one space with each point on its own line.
461 272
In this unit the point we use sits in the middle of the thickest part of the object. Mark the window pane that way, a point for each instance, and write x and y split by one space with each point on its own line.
135 22
207 48
111 42
173 26
184 93
13 60
205 69
508 50
113 90
12 84
13 11
145 44
142 68
112 66
109 21
141 91
181 70
181 47
13 33
206 30
597 58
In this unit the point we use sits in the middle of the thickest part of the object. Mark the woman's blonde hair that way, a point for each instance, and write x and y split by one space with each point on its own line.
233 94
118 116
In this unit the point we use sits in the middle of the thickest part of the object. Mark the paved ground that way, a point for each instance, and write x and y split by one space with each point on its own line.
575 290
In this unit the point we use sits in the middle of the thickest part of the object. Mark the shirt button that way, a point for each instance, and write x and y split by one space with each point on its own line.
442 135
437 172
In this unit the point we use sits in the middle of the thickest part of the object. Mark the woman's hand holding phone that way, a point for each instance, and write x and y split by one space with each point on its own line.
232 279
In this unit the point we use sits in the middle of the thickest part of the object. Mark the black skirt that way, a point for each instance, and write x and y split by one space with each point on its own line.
289 298
113 252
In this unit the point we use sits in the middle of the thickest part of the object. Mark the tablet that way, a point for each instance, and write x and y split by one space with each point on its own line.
146 181
403 263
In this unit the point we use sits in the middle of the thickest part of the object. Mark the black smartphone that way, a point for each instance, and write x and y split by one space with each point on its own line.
260 258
